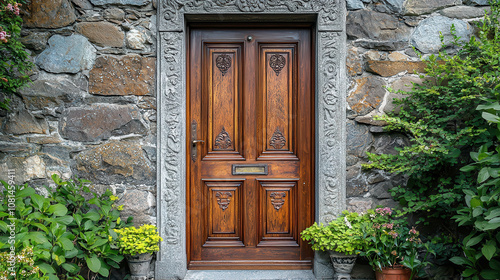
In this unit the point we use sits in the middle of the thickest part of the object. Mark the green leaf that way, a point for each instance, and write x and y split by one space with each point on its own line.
489 249
489 274
58 210
116 258
88 224
99 242
38 201
71 253
495 264
38 237
475 202
490 117
46 268
104 271
468 168
71 267
460 261
91 215
42 227
93 263
492 214
25 192
477 211
473 241
483 175
66 244
65 220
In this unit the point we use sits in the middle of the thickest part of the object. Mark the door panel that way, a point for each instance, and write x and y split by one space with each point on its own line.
250 190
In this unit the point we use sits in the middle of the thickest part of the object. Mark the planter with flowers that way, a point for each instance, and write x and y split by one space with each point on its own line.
342 237
138 245
392 248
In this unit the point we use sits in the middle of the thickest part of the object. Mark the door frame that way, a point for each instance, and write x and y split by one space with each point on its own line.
328 17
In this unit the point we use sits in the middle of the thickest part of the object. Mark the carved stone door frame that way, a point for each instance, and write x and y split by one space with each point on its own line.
330 138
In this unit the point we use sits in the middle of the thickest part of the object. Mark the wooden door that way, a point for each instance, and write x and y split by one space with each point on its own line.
251 180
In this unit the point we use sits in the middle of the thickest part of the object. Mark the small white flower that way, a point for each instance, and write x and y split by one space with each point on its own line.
347 222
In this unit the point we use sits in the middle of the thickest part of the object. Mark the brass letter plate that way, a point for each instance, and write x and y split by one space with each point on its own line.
249 169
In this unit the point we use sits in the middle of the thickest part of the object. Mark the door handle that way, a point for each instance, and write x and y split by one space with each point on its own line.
194 141
197 141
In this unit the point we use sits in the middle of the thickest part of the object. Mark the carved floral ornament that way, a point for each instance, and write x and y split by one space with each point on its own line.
277 141
278 199
223 62
223 199
173 10
277 62
223 140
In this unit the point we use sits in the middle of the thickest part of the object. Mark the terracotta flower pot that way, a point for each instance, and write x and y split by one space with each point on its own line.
393 273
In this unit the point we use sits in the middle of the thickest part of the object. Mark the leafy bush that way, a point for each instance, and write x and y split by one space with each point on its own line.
14 59
342 235
481 215
66 230
439 117
135 241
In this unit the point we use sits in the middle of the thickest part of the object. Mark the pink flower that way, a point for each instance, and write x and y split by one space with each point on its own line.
384 211
413 231
388 226
393 234
10 7
3 36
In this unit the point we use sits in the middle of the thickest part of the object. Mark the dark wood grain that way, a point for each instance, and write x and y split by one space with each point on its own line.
250 221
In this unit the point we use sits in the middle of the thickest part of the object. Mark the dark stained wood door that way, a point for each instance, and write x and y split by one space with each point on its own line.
251 184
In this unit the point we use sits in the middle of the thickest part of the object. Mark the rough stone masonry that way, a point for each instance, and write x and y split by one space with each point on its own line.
90 110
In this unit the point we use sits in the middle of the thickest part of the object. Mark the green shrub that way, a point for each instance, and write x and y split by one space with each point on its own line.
440 119
66 230
481 214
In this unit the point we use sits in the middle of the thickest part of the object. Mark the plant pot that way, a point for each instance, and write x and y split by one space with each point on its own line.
139 265
342 264
398 272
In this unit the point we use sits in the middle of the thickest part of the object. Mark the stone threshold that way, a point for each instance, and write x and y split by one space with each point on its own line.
249 275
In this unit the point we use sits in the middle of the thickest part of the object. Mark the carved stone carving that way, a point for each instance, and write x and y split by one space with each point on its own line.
223 140
278 199
329 11
277 62
223 62
173 93
223 199
277 141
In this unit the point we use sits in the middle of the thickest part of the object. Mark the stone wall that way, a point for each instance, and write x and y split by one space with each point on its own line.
91 109
381 34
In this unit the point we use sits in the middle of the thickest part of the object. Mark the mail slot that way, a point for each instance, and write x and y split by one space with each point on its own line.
250 169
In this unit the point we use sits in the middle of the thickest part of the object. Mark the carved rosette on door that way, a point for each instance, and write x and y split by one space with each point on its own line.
277 62
278 199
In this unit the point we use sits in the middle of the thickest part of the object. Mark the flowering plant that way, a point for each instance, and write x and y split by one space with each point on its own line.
390 242
20 265
14 59
342 235
134 241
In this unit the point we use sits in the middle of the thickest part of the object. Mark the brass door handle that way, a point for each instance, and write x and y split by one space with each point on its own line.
197 141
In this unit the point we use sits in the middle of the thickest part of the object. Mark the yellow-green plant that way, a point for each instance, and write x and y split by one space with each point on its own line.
134 241
343 235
